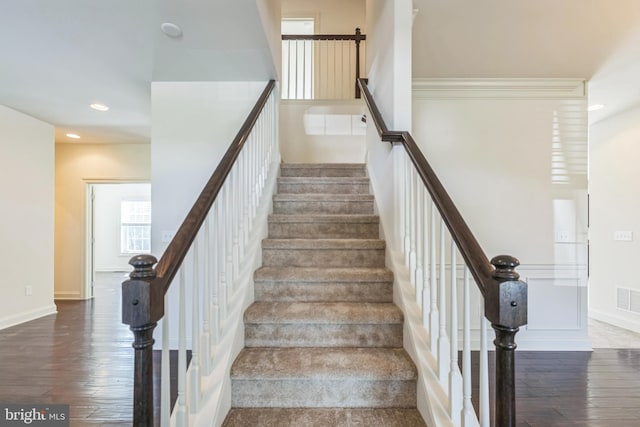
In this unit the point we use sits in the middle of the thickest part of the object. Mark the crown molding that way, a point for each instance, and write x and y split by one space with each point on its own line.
432 88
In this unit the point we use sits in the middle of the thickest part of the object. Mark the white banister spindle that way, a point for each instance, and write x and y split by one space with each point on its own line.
407 209
397 193
412 227
222 257
214 273
426 288
419 244
181 404
483 395
194 367
443 342
468 415
434 316
207 306
228 236
165 386
235 221
455 379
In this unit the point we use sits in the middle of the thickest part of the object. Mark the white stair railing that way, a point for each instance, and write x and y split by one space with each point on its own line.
442 258
205 258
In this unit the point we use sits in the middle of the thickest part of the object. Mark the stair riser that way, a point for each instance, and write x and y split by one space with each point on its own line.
323 257
338 188
318 393
311 230
322 207
324 292
323 172
323 335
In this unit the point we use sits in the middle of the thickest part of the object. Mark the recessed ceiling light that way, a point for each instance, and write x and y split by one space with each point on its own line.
171 29
99 107
73 135
595 107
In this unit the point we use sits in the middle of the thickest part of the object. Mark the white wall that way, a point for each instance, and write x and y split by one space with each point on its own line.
269 11
322 131
26 226
513 156
192 125
76 166
614 205
389 72
107 226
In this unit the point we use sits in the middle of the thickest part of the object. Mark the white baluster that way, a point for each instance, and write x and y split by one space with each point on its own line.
434 317
412 226
426 288
214 273
443 341
228 236
181 404
194 380
165 382
468 415
455 380
419 239
207 261
397 193
236 220
222 257
483 396
407 209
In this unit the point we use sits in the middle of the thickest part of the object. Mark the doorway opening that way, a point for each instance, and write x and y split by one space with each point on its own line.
118 227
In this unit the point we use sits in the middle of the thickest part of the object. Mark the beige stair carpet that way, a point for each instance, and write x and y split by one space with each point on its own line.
323 338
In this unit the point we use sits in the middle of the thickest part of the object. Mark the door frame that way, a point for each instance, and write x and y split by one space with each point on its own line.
88 266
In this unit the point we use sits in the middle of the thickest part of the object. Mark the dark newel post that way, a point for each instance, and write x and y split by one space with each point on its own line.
138 312
506 311
358 38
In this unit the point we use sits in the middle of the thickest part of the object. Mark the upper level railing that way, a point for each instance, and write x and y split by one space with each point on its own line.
203 258
321 66
423 203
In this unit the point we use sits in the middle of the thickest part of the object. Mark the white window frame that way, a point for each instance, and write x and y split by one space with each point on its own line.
135 227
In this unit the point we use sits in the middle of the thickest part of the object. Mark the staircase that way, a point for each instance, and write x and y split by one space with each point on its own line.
323 339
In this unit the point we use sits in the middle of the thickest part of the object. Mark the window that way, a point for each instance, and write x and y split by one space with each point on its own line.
135 227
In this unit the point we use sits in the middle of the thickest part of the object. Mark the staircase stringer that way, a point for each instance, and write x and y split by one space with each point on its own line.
216 398
432 398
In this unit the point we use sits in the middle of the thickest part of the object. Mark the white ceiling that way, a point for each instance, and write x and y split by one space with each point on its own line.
57 57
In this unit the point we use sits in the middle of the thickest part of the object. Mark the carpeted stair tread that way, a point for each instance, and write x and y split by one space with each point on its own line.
324 180
324 417
325 219
379 364
323 169
323 312
320 244
313 274
322 197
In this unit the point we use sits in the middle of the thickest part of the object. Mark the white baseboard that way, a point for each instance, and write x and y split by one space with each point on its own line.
614 320
26 316
67 295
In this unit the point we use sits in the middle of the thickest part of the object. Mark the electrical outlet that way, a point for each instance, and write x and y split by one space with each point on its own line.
623 236
167 236
28 290
563 237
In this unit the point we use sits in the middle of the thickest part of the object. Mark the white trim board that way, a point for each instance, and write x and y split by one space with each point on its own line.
431 88
27 316
67 295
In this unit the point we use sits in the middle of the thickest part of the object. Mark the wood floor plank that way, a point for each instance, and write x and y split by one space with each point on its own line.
83 357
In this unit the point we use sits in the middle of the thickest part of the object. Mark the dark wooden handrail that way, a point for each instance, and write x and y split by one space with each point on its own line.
505 296
143 294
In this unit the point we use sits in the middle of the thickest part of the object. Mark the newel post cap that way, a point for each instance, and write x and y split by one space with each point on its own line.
142 267
505 268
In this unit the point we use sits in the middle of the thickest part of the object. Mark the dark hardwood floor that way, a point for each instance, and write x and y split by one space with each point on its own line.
83 357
